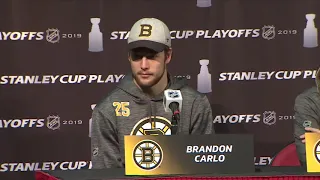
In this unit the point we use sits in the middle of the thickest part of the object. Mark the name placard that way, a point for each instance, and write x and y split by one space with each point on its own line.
188 154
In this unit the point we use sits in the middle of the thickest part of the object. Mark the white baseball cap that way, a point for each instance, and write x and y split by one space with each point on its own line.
150 33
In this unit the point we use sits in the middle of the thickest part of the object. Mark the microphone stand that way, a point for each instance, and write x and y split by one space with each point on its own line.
174 122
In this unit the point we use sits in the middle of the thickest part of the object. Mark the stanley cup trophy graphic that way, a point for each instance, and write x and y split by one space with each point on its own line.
310 34
203 3
95 36
204 77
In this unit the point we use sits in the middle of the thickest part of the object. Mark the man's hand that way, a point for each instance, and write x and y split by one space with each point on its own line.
310 129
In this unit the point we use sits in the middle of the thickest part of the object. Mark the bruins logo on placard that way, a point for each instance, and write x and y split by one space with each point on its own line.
156 126
147 154
317 151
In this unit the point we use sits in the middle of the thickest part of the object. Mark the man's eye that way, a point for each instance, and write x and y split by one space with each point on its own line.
138 56
151 56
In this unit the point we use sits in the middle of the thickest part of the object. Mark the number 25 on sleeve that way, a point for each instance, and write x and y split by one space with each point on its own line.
121 108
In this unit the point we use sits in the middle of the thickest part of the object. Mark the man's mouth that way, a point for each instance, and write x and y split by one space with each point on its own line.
145 75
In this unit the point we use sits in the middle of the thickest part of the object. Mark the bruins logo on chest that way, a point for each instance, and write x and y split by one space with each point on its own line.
157 126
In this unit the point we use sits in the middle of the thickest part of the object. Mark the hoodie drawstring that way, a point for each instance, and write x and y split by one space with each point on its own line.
151 112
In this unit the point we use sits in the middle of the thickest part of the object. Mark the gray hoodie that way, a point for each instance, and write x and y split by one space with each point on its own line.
128 111
307 114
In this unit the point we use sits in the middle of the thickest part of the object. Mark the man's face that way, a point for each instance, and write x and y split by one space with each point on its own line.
148 66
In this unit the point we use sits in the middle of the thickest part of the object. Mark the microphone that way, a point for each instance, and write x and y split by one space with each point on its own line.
174 98
173 102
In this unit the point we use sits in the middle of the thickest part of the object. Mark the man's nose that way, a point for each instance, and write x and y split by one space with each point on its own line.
144 63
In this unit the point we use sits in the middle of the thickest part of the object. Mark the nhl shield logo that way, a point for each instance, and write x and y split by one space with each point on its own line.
173 94
53 35
269 117
53 122
268 32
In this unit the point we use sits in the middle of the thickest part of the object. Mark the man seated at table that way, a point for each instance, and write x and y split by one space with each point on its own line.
307 116
135 107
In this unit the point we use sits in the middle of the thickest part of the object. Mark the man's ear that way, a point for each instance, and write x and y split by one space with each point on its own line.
168 55
129 56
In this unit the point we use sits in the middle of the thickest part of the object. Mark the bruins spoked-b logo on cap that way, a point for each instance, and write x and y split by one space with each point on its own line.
155 126
146 30
147 154
317 151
